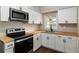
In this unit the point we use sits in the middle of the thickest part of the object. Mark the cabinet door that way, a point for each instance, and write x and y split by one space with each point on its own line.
9 45
9 50
34 17
68 15
52 41
59 43
4 13
31 16
78 12
77 50
37 42
38 18
70 44
61 16
15 7
45 40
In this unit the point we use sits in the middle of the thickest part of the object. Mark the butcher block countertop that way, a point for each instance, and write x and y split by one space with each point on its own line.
6 39
36 32
58 33
64 33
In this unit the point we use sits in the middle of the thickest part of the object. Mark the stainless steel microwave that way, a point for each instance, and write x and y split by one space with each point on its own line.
18 15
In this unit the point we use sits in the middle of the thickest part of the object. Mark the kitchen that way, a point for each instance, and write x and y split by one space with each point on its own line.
39 29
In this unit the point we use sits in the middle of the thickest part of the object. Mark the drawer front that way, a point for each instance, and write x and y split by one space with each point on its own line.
9 45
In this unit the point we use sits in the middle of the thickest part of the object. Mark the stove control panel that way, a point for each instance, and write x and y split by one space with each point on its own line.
14 30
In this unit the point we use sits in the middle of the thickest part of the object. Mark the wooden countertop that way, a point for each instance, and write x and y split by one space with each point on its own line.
6 39
36 32
64 33
58 33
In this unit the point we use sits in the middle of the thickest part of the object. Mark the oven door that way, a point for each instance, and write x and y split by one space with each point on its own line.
24 46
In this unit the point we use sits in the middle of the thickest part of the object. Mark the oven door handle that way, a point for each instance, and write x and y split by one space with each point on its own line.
23 39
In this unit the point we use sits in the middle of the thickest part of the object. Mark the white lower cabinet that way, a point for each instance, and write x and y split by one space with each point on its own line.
45 40
8 47
48 41
59 43
66 44
70 44
36 42
9 50
52 42
77 50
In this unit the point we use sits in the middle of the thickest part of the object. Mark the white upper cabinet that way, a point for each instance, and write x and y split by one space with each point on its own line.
78 12
45 40
34 17
68 15
16 7
4 13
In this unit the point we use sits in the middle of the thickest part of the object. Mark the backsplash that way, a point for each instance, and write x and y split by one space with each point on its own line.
28 27
67 28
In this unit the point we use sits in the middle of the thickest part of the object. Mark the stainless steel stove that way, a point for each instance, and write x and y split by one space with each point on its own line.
23 42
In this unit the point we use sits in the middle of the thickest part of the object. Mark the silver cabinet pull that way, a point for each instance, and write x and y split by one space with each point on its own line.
37 38
47 37
64 40
66 21
20 8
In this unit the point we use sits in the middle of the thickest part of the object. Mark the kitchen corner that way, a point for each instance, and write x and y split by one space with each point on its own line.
33 29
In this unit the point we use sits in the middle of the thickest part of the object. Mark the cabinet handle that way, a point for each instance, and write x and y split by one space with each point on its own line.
64 40
47 37
66 21
33 22
37 38
20 8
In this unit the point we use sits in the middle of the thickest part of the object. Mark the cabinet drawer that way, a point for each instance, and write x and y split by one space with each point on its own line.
9 45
